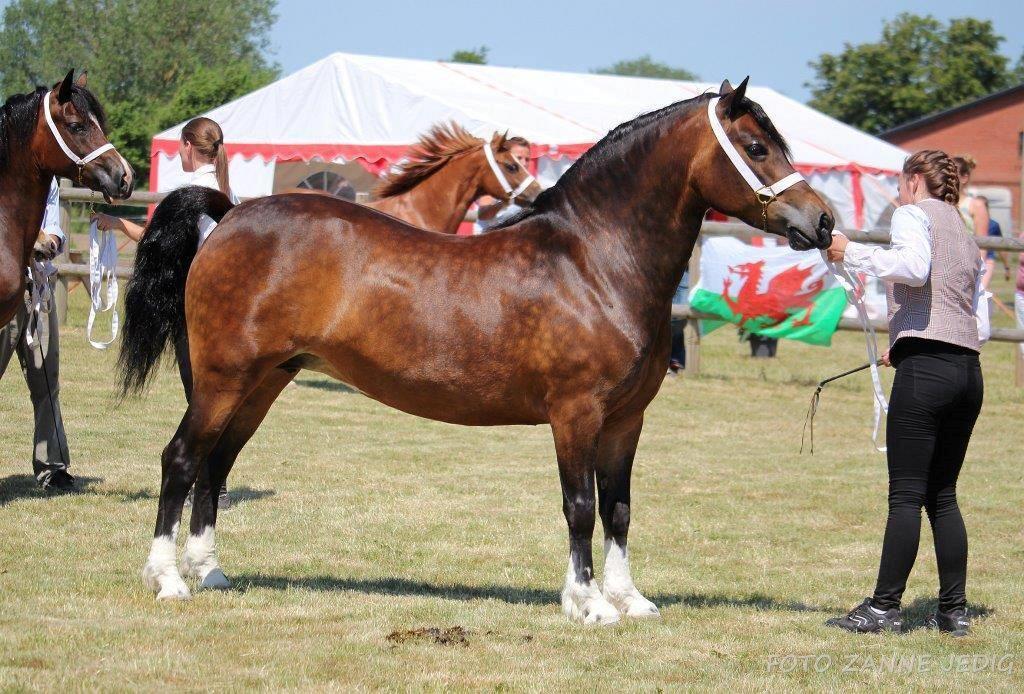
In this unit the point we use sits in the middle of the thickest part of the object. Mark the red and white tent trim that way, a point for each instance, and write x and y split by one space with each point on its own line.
370 109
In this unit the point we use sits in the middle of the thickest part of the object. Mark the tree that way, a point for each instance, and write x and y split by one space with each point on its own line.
644 66
475 56
919 66
151 63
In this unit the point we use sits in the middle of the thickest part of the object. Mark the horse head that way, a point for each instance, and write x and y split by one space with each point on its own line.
507 178
755 181
70 140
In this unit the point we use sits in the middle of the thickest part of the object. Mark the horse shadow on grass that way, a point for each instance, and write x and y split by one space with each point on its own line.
332 386
15 487
509 594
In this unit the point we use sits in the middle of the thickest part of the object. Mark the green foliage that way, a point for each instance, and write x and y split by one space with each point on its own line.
919 66
644 66
476 56
151 63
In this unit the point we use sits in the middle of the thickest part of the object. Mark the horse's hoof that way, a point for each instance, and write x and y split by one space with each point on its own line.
586 604
600 613
174 590
635 605
215 580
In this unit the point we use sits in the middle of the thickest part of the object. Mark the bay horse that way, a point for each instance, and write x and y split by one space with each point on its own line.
47 133
559 316
447 169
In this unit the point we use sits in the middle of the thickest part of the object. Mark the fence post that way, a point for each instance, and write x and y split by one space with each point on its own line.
1019 349
691 334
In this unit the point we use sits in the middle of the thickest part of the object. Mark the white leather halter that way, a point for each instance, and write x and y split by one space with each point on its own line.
79 160
511 192
765 193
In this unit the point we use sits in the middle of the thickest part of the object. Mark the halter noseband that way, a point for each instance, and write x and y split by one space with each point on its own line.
79 161
766 194
511 192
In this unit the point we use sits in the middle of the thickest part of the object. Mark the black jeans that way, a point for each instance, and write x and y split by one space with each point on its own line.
936 398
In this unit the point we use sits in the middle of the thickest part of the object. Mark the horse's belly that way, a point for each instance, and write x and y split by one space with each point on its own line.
457 401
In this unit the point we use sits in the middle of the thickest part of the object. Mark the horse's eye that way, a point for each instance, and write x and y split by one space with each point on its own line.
76 128
756 150
511 168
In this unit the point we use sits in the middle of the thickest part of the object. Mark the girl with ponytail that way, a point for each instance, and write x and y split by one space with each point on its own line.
938 320
201 151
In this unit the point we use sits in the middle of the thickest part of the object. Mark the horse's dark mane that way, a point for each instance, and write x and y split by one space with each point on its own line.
20 112
637 134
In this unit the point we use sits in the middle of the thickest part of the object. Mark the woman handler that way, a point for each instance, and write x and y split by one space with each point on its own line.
938 320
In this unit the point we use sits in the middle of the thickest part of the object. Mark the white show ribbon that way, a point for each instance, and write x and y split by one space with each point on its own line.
102 265
855 293
762 190
79 160
511 192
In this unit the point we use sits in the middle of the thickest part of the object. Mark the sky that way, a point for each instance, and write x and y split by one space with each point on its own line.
770 41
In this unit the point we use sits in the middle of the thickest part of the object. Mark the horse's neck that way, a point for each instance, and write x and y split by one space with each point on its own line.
441 201
22 205
639 226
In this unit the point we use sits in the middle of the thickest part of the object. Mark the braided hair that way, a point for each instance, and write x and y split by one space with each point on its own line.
941 173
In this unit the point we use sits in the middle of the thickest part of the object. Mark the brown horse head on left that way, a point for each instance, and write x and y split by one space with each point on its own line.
47 133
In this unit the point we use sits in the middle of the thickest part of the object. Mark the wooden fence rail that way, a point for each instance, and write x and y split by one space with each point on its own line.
735 229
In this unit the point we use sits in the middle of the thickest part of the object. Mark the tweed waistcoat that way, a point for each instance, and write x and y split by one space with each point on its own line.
943 308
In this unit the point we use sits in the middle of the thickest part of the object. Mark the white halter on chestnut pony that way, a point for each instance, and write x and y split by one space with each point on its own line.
766 194
511 192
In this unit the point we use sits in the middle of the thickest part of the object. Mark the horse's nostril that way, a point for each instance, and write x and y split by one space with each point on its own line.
826 222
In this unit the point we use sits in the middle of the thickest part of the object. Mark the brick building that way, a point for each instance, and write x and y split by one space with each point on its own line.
991 129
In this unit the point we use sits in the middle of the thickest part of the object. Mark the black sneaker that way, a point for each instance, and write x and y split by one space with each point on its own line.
57 481
955 622
864 620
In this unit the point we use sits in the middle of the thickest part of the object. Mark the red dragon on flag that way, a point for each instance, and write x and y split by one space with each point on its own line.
784 296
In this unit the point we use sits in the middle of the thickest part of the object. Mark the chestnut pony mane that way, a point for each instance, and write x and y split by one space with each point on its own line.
434 149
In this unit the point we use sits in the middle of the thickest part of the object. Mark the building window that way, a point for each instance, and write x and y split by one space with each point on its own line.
330 183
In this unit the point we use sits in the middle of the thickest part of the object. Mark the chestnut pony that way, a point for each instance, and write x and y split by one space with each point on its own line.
446 171
560 316
31 155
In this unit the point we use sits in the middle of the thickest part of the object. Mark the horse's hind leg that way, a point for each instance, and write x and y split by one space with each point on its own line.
614 467
204 420
200 557
575 427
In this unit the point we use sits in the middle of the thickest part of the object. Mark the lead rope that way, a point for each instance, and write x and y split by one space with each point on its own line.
855 293
812 409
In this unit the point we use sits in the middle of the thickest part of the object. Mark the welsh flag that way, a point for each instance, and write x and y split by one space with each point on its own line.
770 291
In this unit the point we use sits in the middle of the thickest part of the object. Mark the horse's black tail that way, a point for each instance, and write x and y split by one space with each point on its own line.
154 303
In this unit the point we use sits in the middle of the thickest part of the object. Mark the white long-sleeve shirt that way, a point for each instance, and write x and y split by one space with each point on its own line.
206 176
51 215
908 260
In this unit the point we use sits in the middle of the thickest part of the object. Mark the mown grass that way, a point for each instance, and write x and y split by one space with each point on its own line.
355 522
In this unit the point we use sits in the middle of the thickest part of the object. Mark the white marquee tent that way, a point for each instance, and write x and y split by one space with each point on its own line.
370 109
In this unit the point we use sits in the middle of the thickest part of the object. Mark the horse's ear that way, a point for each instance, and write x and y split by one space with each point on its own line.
498 141
725 88
733 101
82 79
64 90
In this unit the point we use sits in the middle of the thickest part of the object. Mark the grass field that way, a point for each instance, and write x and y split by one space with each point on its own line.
355 523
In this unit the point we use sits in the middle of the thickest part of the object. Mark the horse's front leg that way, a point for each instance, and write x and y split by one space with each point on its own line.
614 468
576 429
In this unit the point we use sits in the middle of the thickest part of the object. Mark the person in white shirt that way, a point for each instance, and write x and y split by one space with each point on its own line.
40 363
938 321
201 150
